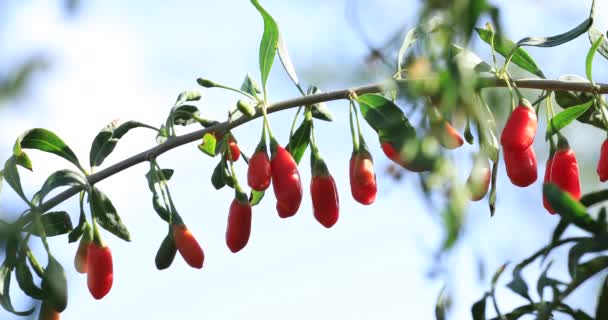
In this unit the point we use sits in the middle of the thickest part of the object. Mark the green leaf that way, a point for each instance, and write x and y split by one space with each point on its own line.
590 54
47 141
497 274
517 284
545 281
82 226
470 61
583 246
594 34
55 284
408 40
250 85
208 144
269 43
218 179
11 175
478 310
590 268
12 247
58 179
162 134
54 223
569 208
187 96
298 143
558 39
504 46
593 198
442 305
104 212
1 179
386 118
5 299
255 197
601 311
166 253
106 140
564 118
25 278
286 60
154 176
319 110
185 115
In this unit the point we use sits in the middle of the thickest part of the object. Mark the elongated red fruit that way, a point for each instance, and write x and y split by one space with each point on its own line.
546 180
448 136
187 246
564 172
100 273
286 182
520 128
479 179
602 165
324 194
80 260
235 152
47 312
239 224
362 178
259 172
521 166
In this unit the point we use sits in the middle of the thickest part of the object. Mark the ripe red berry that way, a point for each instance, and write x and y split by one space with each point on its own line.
520 128
479 179
546 180
447 135
286 182
187 246
521 166
239 224
47 312
564 172
602 165
100 273
325 202
235 152
259 172
362 178
80 260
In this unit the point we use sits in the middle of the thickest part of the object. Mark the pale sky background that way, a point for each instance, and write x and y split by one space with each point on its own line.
130 61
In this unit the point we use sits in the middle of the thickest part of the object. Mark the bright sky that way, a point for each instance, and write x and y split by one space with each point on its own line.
118 60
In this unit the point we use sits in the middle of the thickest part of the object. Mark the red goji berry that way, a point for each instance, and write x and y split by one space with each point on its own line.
286 182
80 260
235 152
47 312
414 166
362 177
239 224
602 165
564 172
259 172
187 246
521 166
520 128
547 179
324 194
100 273
447 135
479 179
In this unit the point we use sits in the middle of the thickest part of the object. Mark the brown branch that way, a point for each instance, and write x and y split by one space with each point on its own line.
343 94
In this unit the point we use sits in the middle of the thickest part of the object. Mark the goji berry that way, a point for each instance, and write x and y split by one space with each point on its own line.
80 260
235 152
602 165
187 246
520 128
259 171
447 135
521 166
564 172
362 177
479 179
100 273
239 223
324 194
286 181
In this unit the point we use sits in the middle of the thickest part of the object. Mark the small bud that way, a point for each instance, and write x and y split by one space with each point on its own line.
245 107
205 83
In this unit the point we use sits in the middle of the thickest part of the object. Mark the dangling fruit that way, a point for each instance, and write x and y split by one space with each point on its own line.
520 128
286 181
100 273
187 246
521 166
602 165
362 177
564 172
239 223
479 179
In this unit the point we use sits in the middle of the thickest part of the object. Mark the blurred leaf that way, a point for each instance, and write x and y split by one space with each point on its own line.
442 305
104 212
594 34
208 144
569 208
408 40
55 284
545 281
590 268
184 115
5 299
386 118
44 140
564 118
250 86
298 143
504 46
517 284
493 187
582 247
478 310
25 278
470 61
269 43
595 197
497 274
54 223
601 311
286 60
255 197
557 39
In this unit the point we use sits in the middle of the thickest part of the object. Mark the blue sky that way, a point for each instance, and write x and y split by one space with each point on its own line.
118 60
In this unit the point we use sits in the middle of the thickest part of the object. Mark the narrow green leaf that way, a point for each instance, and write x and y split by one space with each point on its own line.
47 141
184 115
601 311
250 85
478 310
54 223
298 143
11 175
256 197
208 145
58 179
558 39
82 226
55 284
12 247
590 54
590 268
286 60
470 61
106 140
104 212
187 96
569 208
408 40
593 198
166 253
545 281
594 34
564 118
517 284
5 299
217 178
25 279
504 46
582 247
269 43
442 305
154 176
